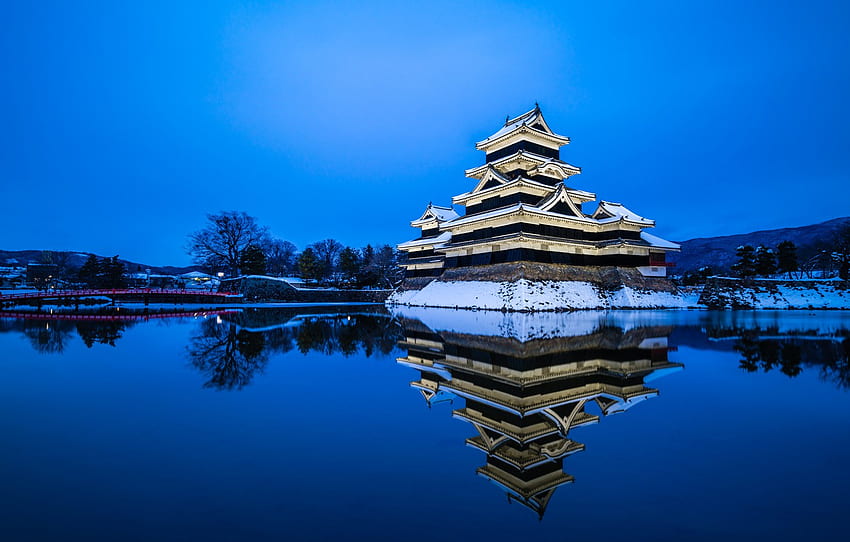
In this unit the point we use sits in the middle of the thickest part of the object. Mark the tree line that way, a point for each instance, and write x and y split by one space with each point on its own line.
764 261
234 243
830 259
102 273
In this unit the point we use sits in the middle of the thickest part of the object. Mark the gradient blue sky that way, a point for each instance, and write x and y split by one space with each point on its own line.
125 124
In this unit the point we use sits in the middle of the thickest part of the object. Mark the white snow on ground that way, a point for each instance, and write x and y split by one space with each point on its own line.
691 295
824 296
526 295
288 280
827 294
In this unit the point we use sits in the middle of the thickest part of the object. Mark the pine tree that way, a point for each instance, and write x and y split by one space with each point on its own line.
746 265
253 261
368 275
309 265
787 257
89 273
765 261
112 273
350 263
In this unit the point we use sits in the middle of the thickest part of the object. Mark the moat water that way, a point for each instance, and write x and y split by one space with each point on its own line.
351 423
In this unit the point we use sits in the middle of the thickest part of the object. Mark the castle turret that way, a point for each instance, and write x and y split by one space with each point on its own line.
522 210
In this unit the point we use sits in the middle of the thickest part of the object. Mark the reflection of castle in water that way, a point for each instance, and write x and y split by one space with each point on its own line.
524 398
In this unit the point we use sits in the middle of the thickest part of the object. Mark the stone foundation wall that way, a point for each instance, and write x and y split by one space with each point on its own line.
531 287
607 278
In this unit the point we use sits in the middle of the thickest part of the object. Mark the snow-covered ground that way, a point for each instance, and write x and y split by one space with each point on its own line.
778 294
526 295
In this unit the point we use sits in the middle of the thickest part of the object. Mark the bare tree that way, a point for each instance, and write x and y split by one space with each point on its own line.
280 257
327 252
221 243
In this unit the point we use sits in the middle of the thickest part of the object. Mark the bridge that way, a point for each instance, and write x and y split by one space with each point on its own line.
144 295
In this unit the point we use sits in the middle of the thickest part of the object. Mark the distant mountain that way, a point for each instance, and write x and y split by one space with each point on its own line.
719 252
77 259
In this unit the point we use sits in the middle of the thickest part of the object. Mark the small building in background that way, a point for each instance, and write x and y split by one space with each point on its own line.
12 276
198 280
42 275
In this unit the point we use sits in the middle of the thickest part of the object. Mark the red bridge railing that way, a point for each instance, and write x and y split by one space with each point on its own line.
110 292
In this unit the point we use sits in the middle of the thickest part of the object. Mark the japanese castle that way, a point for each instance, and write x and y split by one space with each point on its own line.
522 210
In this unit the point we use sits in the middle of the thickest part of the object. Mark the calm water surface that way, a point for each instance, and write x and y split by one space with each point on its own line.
329 423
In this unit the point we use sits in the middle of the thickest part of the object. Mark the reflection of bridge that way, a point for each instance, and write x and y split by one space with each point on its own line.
112 317
128 294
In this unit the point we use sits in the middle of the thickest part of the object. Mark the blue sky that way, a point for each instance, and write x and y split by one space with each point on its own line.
126 124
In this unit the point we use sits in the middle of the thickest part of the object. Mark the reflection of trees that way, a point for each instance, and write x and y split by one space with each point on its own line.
228 356
104 332
231 355
837 370
48 337
51 336
791 355
348 334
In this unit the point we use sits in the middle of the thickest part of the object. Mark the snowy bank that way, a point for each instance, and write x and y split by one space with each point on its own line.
731 293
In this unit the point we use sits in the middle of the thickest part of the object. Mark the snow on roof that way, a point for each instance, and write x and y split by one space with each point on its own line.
532 119
582 194
443 213
436 212
488 214
435 240
656 241
526 119
509 184
539 160
196 275
514 208
618 211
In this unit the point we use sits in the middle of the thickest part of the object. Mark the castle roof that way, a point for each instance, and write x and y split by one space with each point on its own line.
608 210
443 238
658 242
539 165
435 212
530 121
